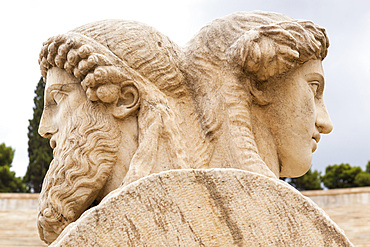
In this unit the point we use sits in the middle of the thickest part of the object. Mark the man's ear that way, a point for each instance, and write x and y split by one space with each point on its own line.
257 92
128 101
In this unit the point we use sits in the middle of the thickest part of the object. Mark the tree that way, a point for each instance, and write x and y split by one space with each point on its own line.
363 178
6 155
8 181
39 151
368 167
309 181
341 176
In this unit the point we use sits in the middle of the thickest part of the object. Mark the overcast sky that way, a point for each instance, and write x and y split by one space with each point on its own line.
26 24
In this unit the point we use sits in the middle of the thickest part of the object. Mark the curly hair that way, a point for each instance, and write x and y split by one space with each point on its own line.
108 55
110 52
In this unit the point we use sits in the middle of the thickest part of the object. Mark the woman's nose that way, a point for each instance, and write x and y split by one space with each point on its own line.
323 121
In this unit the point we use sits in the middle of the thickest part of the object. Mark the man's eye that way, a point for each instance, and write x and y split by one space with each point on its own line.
314 86
57 96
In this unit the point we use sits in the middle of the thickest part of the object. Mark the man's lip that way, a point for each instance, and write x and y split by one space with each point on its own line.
53 143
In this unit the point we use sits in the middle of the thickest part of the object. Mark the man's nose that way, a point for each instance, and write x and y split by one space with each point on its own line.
46 128
323 121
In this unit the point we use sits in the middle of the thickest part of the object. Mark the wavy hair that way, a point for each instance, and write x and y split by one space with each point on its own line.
79 170
230 52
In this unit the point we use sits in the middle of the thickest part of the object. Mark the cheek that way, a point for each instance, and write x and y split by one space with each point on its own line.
305 109
68 107
310 110
63 114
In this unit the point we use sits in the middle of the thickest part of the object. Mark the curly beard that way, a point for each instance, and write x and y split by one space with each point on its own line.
83 160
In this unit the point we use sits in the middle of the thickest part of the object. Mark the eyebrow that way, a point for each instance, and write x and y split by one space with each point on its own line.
61 87
317 76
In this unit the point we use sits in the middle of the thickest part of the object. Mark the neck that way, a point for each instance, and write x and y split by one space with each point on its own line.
265 142
126 150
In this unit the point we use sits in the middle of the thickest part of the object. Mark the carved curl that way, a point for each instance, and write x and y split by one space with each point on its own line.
99 73
270 50
116 49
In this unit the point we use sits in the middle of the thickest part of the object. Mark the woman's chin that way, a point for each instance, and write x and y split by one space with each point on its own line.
294 168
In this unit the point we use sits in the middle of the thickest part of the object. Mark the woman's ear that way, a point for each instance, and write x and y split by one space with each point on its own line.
257 92
128 101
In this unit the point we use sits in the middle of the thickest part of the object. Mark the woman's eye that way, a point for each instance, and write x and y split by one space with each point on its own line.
57 96
314 86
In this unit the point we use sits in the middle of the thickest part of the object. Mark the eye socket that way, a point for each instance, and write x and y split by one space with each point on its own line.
57 96
314 85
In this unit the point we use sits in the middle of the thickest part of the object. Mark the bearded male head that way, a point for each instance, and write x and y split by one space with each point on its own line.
111 105
85 151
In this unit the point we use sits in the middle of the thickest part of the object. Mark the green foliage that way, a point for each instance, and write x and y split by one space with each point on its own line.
362 179
8 181
341 176
367 169
6 155
310 181
39 151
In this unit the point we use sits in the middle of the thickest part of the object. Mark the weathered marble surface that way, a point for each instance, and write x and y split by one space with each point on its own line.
209 207
122 101
352 218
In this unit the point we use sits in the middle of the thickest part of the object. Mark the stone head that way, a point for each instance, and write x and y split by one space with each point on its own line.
109 85
265 69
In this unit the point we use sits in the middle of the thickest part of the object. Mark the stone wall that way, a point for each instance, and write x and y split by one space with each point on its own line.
339 197
18 201
323 198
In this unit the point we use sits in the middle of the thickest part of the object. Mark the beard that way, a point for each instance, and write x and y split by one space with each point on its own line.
82 161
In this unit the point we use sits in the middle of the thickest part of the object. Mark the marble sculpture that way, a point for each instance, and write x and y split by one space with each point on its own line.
160 145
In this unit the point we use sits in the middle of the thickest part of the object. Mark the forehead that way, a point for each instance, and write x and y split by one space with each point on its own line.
57 76
311 67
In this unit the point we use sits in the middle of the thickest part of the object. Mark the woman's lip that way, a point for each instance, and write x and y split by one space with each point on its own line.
316 137
314 144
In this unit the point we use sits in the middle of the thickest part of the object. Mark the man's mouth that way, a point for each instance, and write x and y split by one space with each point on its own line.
53 143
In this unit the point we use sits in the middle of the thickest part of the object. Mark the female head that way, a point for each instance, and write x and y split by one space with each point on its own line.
247 63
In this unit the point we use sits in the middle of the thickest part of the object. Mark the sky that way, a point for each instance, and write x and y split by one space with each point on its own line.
25 24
